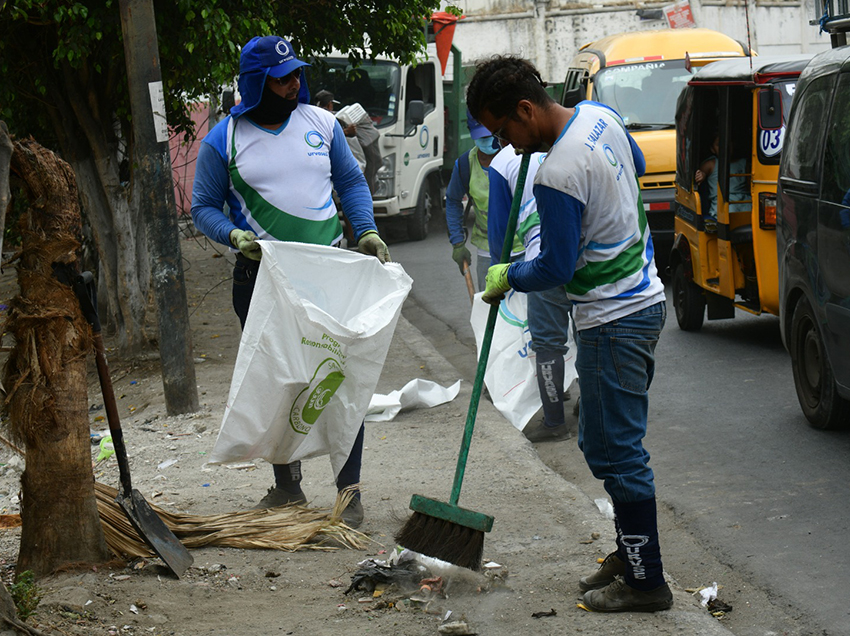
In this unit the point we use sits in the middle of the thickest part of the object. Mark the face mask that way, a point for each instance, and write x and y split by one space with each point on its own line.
272 109
487 145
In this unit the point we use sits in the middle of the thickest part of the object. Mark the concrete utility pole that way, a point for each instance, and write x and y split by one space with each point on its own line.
152 176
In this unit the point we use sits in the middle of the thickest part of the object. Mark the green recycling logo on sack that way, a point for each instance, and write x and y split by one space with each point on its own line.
313 399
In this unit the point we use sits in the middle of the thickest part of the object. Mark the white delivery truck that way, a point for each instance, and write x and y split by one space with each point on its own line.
415 109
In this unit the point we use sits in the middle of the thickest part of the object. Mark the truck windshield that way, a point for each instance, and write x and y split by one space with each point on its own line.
644 94
373 85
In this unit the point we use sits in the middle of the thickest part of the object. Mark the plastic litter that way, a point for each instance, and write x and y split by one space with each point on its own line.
417 393
458 628
107 450
708 594
406 577
605 507
551 612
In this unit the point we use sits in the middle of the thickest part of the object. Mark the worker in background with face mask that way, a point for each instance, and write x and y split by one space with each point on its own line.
470 177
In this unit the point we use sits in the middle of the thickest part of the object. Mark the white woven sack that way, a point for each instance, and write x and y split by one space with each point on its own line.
511 374
317 333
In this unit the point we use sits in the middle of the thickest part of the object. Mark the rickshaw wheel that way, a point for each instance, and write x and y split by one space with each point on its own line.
688 301
813 378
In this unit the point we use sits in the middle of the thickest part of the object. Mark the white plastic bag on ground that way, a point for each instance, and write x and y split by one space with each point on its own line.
417 393
511 375
314 344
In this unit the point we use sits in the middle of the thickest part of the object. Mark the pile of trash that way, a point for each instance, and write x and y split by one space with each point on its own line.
407 580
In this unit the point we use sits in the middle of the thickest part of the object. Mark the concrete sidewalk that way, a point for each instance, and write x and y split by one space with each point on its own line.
545 526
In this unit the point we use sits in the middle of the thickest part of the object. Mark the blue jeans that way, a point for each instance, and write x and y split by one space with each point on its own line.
615 363
549 320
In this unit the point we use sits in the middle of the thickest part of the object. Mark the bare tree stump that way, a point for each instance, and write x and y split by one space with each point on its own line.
46 375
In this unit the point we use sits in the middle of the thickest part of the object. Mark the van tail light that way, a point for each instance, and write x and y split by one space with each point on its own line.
767 210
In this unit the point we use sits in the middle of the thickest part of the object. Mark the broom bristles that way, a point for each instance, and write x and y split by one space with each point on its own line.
444 540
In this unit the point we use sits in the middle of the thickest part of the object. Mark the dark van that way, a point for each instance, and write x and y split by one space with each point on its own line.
813 239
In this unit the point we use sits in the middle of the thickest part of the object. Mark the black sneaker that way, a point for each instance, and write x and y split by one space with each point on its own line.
541 433
611 568
279 497
619 597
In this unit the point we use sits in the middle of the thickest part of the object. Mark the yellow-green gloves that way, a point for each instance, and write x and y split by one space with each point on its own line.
461 255
497 284
370 243
246 242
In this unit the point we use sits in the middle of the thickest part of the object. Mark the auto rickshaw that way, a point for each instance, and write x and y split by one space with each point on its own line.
730 123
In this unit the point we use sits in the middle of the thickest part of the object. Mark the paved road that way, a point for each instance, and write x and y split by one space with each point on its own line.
736 465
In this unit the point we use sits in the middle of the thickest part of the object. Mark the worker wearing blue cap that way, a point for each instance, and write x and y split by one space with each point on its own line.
470 178
268 171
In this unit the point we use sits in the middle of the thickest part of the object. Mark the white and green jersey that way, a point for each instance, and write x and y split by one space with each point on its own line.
283 179
594 233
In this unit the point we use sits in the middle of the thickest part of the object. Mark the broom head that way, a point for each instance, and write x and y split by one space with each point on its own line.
443 531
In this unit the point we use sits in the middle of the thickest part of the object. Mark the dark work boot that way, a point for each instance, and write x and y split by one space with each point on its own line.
352 515
619 597
610 569
287 487
539 432
279 497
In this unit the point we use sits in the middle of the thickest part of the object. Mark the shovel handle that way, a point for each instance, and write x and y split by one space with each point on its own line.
469 286
87 295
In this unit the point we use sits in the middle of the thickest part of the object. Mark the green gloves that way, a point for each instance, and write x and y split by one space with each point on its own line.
370 243
461 255
497 284
245 242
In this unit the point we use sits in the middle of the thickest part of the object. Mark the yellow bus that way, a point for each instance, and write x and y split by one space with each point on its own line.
640 75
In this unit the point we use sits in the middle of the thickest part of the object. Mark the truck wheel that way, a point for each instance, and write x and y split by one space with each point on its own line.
813 377
688 300
417 223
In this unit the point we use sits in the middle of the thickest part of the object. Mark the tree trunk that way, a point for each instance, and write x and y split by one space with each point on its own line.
93 150
46 375
5 195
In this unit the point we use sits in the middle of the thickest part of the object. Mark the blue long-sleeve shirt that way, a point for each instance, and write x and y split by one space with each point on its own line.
455 192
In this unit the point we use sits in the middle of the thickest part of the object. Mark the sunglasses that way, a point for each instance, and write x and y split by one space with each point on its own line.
500 133
286 79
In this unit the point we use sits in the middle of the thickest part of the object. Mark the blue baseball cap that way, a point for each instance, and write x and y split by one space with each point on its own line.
476 130
267 56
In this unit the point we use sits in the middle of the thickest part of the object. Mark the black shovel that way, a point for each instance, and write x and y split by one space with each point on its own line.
146 522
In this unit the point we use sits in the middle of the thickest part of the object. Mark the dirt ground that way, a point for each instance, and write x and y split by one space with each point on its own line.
548 532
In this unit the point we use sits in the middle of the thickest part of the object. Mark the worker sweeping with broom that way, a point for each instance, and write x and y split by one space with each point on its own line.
594 240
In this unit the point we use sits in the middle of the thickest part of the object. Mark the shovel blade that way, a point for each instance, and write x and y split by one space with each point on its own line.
155 533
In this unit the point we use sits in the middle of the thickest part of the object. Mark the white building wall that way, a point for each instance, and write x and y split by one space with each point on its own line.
550 32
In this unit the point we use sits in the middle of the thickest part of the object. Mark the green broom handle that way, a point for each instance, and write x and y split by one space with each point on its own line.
488 336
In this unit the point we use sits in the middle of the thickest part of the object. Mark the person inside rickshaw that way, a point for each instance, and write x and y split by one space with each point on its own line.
739 186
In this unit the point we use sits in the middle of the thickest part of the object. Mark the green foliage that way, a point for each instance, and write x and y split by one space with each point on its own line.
26 594
453 10
64 59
